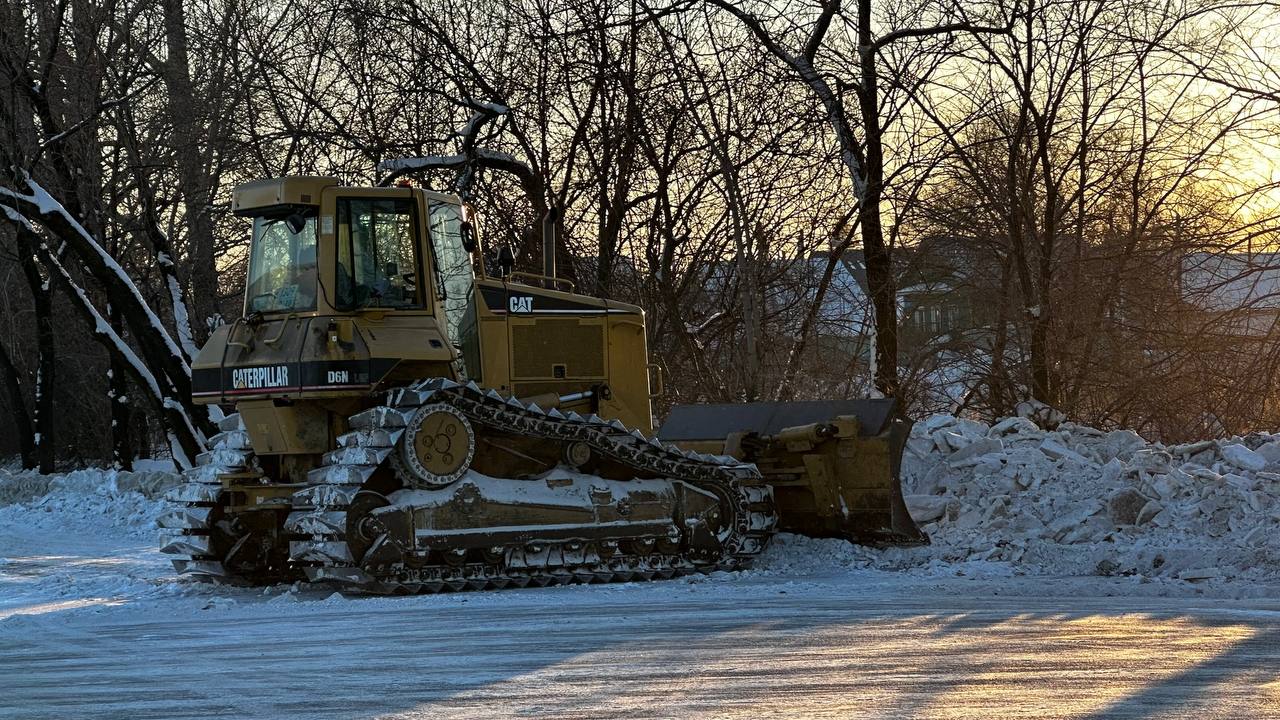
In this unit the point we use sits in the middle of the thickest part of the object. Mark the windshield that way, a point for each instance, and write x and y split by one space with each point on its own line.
282 267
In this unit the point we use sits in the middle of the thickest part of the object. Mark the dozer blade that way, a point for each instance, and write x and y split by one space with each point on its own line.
834 464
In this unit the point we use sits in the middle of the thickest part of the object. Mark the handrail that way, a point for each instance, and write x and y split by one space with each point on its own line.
283 323
657 378
544 279
231 335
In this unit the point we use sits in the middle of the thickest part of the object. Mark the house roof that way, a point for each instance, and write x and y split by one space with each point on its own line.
1231 281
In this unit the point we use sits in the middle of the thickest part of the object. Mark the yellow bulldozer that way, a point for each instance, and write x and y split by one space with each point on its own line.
407 421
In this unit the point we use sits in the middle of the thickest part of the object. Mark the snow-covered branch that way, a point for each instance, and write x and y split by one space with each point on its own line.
470 156
45 205
181 319
187 438
400 166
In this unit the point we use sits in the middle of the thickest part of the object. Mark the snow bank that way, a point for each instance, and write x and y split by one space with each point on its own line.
126 503
1016 498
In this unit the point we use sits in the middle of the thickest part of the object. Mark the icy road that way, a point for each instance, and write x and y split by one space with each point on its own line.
102 629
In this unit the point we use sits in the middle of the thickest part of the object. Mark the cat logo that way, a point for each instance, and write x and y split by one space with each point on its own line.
520 304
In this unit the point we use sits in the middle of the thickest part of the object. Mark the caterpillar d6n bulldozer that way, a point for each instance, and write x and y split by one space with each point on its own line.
406 422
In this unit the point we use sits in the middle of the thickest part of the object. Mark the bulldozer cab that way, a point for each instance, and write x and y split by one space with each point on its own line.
359 251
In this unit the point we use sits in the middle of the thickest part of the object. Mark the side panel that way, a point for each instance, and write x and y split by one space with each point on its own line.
299 358
300 429
538 341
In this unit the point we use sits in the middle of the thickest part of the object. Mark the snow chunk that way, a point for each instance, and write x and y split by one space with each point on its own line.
1243 458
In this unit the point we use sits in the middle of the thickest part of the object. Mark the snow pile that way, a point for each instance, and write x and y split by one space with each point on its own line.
1076 500
127 503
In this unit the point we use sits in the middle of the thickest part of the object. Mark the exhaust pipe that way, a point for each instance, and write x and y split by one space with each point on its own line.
547 401
549 242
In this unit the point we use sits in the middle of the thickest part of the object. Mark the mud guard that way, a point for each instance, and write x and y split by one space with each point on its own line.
834 464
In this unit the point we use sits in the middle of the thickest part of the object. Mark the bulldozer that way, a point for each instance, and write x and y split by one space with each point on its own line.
409 420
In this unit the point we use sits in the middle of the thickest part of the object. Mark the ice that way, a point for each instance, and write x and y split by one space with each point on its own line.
1243 458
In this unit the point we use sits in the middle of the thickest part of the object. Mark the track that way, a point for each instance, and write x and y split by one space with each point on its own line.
187 530
322 525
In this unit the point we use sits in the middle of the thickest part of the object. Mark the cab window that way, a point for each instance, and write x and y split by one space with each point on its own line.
282 267
377 256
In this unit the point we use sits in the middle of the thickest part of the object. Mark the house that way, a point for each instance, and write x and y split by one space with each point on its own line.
1238 292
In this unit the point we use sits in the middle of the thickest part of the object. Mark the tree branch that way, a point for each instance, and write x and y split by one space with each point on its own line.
965 27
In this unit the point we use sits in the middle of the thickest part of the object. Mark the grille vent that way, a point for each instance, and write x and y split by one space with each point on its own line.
538 347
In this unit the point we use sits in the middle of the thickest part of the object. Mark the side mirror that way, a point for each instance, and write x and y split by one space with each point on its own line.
468 237
295 222
506 261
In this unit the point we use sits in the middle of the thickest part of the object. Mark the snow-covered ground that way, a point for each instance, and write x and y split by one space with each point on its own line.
1049 606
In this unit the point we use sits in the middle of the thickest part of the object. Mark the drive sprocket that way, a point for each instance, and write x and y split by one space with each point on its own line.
436 448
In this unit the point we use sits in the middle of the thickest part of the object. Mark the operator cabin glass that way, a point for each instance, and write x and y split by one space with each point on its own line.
453 266
282 267
377 259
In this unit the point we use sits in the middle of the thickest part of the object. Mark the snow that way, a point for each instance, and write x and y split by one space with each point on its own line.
1017 499
421 163
1032 601
180 319
697 328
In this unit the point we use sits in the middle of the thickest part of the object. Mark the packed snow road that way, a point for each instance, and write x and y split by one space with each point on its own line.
96 626
570 654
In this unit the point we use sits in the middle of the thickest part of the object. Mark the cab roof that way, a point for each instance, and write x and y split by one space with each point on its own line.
292 193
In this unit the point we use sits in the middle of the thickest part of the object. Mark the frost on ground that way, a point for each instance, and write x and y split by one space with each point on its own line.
82 538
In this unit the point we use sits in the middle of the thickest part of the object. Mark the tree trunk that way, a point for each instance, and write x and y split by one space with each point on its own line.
46 354
188 137
166 258
879 255
21 419
186 441
118 395
163 357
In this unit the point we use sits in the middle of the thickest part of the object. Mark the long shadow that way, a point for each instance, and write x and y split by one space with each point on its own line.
1183 691
1180 692
358 659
